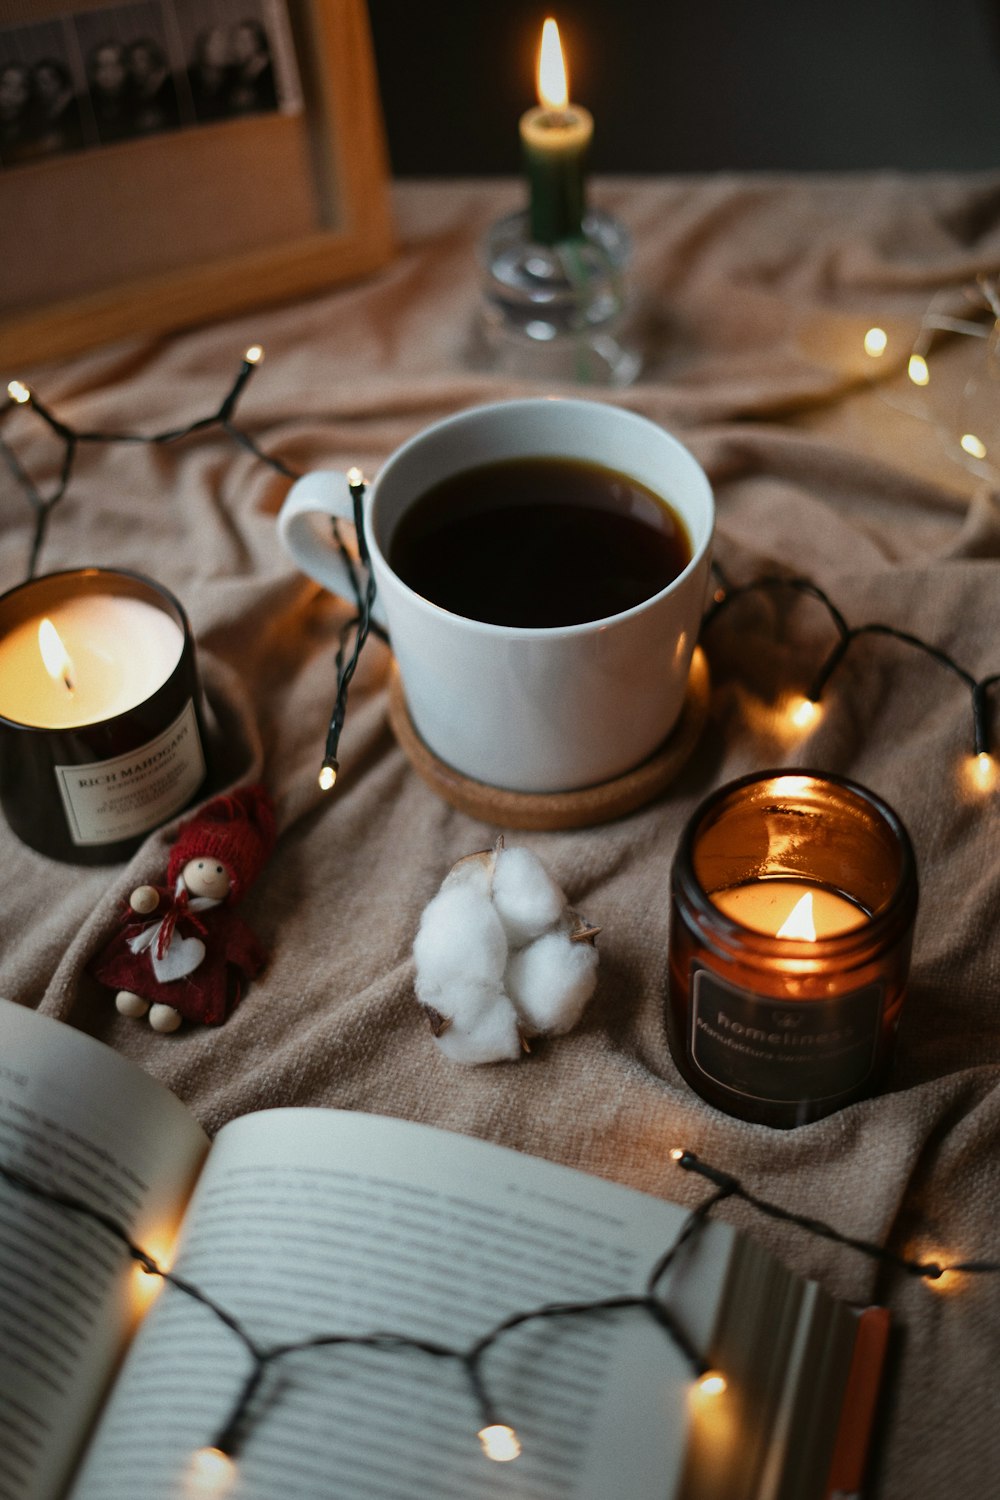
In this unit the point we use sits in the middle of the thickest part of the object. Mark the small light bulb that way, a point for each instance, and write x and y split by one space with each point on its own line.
917 370
18 391
500 1442
254 354
677 1154
937 1275
803 712
973 445
876 340
211 1473
712 1383
327 776
355 478
147 1284
983 773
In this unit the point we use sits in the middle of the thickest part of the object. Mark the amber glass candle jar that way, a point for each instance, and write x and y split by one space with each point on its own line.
794 896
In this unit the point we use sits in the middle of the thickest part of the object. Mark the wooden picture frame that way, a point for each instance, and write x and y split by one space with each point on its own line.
303 203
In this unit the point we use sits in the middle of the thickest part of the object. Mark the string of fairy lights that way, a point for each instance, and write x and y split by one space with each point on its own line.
214 1463
804 709
498 1440
981 304
971 311
223 417
728 1186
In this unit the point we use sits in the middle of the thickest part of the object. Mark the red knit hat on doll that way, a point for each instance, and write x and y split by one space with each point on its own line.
236 831
189 956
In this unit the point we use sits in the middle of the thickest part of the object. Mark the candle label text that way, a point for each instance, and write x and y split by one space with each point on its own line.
783 1051
120 798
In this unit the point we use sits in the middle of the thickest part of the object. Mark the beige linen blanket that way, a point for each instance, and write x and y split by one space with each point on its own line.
759 291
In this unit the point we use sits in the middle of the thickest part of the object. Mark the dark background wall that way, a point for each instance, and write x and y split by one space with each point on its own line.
698 85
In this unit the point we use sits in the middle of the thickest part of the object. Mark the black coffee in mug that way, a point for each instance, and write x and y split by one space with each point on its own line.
536 542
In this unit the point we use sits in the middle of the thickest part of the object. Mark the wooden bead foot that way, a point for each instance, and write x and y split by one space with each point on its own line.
130 1004
164 1018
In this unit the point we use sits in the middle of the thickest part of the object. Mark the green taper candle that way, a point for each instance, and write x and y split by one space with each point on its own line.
555 136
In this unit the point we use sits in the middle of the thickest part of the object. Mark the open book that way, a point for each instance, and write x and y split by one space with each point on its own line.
311 1221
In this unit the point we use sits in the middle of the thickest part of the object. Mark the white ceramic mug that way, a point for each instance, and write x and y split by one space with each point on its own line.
526 709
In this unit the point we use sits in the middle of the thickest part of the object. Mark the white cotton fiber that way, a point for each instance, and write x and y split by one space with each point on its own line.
483 1027
526 897
460 937
550 982
494 958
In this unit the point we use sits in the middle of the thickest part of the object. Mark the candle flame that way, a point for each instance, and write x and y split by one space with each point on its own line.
58 662
553 85
799 922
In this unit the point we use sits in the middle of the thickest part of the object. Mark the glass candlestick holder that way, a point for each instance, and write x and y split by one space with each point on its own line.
794 896
560 312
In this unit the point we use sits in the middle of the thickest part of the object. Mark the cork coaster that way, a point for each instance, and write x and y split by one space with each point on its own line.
551 810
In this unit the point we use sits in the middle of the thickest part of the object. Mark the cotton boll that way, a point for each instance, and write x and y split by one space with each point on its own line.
525 895
460 937
550 982
494 957
484 1026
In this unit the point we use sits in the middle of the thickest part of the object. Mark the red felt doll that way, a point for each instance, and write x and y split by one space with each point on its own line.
183 953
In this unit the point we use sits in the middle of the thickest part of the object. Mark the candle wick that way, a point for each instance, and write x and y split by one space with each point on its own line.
68 682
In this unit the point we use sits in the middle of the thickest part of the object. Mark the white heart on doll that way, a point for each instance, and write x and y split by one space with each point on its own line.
182 957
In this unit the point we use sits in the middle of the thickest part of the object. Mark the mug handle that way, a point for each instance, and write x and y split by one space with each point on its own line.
325 492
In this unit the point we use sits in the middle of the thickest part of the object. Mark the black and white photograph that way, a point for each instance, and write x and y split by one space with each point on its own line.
185 148
40 93
131 83
123 72
239 57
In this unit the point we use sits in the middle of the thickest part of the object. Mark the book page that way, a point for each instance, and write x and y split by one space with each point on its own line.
310 1222
76 1117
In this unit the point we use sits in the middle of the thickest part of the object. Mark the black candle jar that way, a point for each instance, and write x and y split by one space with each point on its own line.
88 792
775 1028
